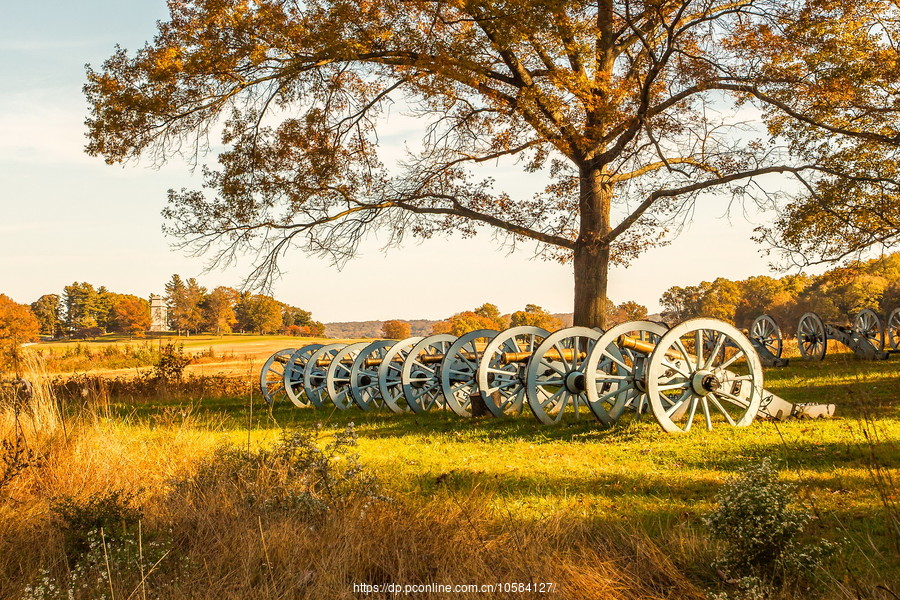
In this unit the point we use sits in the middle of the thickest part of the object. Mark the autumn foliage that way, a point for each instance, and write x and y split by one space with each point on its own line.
395 329
18 325
836 295
631 110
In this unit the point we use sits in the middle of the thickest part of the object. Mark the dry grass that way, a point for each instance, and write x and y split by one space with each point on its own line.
202 541
539 505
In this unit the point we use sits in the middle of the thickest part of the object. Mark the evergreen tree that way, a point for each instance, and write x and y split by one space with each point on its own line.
84 307
184 300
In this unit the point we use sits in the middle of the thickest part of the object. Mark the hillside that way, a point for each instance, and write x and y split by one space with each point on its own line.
372 329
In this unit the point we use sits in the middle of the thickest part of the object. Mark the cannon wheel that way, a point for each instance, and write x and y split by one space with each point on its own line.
314 374
868 324
459 373
811 339
684 380
364 378
337 378
767 333
293 375
389 384
502 384
614 376
893 329
422 380
554 381
271 376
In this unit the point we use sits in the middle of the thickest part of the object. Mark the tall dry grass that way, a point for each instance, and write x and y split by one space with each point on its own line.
205 531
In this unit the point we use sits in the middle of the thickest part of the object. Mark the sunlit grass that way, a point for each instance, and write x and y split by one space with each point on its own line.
518 474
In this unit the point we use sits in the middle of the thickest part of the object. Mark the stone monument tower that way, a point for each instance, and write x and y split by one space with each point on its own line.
159 314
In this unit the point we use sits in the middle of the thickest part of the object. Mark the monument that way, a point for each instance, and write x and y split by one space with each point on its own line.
159 314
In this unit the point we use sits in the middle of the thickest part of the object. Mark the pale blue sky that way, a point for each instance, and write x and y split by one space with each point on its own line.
66 216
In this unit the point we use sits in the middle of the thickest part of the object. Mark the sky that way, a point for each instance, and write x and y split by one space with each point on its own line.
66 216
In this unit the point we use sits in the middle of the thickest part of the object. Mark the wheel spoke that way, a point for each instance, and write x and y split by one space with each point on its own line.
691 413
677 403
721 409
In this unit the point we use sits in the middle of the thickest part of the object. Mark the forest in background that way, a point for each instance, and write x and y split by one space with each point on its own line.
83 311
836 295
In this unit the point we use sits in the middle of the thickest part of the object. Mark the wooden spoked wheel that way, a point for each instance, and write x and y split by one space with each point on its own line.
554 380
390 384
811 339
459 371
893 329
364 374
271 376
766 332
501 382
615 375
421 372
315 384
868 324
293 375
685 381
337 378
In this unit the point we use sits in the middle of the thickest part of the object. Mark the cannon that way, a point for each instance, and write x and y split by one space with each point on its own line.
459 381
676 375
765 335
555 375
700 369
892 330
865 338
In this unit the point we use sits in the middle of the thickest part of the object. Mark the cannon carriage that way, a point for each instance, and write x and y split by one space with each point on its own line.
702 370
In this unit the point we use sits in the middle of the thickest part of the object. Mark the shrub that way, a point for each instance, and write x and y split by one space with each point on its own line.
295 475
757 522
171 363
113 511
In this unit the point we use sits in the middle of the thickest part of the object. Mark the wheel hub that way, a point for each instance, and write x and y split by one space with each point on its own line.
575 382
365 380
705 382
418 378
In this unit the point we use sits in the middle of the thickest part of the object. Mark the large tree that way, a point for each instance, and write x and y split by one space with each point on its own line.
129 314
48 310
185 299
632 108
218 310
85 306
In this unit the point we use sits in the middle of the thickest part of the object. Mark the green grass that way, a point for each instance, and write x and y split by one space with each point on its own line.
634 471
632 486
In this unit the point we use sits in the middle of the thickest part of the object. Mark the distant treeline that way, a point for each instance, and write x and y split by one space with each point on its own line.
372 329
85 311
836 295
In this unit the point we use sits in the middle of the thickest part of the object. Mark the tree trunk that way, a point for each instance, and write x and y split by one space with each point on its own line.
591 254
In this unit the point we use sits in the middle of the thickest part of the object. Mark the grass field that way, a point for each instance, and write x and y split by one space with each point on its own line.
118 355
598 513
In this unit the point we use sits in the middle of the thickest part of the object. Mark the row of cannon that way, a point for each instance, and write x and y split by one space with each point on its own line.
699 370
869 336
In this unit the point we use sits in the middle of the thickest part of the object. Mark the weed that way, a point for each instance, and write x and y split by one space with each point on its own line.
15 457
